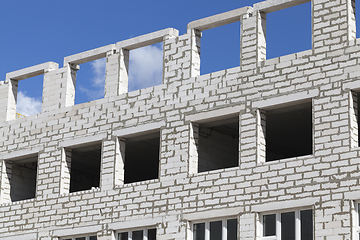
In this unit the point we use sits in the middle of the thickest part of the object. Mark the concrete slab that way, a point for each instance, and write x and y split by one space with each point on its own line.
219 19
147 39
88 56
32 71
276 5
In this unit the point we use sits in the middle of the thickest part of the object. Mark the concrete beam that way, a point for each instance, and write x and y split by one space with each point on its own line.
276 5
147 39
90 55
219 19
31 71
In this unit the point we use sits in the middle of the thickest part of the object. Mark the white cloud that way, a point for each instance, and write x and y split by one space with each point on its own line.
27 105
145 67
98 68
96 90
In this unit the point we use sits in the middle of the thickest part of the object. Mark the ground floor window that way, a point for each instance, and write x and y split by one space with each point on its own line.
287 225
141 234
87 237
357 221
222 229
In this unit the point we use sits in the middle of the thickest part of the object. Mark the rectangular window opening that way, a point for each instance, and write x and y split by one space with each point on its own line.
218 144
141 234
85 167
213 230
21 175
288 131
356 3
87 237
29 96
145 67
355 119
142 151
290 36
90 81
215 57
297 225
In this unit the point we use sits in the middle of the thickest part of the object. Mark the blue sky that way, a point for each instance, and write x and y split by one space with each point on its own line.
39 31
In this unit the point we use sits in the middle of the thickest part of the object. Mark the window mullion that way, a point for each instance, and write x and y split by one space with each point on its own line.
145 234
297 225
278 226
130 235
207 230
224 229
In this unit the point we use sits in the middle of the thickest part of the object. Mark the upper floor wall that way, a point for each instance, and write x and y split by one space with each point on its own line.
333 25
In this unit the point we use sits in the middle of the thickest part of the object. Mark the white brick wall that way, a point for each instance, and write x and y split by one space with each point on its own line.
328 74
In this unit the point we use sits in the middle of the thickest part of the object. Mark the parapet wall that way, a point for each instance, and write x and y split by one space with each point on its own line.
326 76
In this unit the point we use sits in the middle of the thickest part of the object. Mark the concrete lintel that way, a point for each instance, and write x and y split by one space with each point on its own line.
228 212
28 236
147 39
139 130
77 231
88 56
32 71
286 100
276 5
215 115
20 154
143 223
219 19
288 204
82 141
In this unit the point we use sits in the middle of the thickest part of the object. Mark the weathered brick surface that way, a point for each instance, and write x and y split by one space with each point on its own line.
328 74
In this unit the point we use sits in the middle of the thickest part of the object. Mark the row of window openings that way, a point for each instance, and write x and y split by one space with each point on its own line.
292 225
288 133
142 234
141 76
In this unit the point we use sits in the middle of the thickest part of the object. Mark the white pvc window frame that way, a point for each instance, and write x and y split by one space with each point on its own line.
278 223
130 232
87 237
207 227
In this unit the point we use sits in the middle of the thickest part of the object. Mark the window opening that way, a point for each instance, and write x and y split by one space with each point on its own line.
88 237
142 234
90 81
214 57
29 96
142 151
145 67
356 222
85 167
357 17
297 225
354 116
288 131
213 230
218 144
22 177
290 36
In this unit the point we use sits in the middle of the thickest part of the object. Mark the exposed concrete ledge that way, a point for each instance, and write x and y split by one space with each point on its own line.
215 115
139 130
147 39
352 195
32 71
88 56
19 154
143 223
219 19
286 100
227 212
82 141
276 5
29 236
77 231
287 204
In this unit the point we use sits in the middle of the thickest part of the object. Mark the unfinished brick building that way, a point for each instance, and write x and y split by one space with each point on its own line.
265 150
